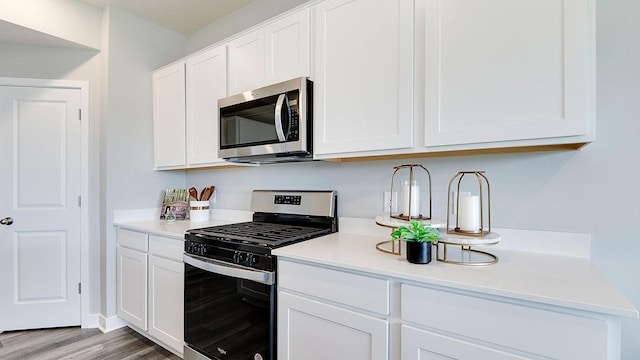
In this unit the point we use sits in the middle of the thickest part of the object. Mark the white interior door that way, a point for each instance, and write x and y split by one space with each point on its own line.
40 181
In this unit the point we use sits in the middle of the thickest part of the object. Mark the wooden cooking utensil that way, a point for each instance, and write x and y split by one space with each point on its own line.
193 194
210 192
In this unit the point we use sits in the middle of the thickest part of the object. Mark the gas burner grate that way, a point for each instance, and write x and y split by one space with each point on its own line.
269 234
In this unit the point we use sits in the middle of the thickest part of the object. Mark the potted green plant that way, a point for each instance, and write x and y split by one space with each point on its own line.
419 237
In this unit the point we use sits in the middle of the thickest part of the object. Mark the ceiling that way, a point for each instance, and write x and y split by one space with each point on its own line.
183 16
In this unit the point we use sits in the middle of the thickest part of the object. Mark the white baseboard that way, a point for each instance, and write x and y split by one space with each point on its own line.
111 323
91 321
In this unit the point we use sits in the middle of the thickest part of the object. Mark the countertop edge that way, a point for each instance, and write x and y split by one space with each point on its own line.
620 307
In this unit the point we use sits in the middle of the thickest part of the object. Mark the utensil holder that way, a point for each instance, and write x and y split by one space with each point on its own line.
199 210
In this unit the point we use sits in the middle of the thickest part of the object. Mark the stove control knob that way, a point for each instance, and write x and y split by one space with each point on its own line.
251 260
199 249
239 257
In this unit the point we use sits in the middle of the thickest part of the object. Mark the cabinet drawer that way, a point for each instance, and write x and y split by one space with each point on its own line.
419 344
133 239
166 247
359 291
313 330
538 331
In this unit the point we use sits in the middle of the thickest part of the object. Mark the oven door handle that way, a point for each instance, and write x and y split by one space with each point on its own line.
222 268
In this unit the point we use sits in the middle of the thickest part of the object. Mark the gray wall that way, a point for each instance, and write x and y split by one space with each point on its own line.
592 190
134 48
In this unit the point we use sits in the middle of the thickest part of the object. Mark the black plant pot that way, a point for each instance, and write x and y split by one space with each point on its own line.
418 252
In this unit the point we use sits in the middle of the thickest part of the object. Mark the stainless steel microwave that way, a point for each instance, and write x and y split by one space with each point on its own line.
267 125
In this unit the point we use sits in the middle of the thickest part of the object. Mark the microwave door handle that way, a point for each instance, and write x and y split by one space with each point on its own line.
278 115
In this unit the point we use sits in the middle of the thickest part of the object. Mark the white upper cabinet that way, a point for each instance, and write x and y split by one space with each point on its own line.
504 70
185 111
287 47
398 77
206 82
363 88
246 62
169 117
276 52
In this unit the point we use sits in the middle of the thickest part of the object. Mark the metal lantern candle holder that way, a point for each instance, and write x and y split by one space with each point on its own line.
411 194
475 219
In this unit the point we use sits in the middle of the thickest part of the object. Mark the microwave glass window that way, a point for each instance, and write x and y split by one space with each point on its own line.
253 123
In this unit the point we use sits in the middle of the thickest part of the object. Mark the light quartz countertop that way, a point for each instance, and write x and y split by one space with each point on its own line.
567 281
571 282
173 229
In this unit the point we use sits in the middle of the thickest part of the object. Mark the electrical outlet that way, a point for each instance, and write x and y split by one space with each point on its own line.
386 202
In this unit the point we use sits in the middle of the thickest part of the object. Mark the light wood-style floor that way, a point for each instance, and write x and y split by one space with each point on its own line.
79 344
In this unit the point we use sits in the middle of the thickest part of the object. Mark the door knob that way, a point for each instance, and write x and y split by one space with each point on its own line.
6 221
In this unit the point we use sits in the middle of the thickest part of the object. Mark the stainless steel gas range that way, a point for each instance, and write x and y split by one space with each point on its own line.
230 274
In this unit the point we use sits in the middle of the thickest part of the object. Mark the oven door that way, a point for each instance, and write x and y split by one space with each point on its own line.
229 311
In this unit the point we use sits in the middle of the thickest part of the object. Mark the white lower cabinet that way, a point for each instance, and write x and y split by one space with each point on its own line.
496 328
334 313
324 314
314 330
132 286
420 344
166 291
150 283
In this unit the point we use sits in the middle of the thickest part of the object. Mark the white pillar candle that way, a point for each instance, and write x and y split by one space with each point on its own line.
414 210
469 213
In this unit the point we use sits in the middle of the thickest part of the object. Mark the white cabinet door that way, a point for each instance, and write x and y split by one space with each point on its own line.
313 330
166 301
246 62
419 344
131 283
169 117
287 48
364 75
500 70
206 82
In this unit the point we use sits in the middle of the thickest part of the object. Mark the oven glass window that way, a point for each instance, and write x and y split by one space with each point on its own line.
228 318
